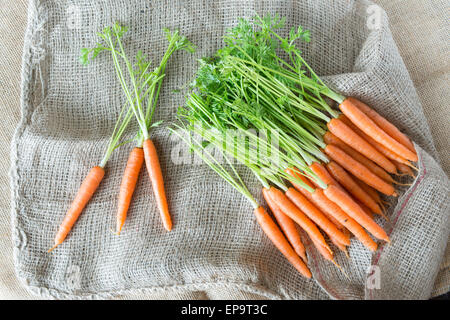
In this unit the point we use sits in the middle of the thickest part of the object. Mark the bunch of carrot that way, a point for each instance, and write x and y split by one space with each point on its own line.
142 91
337 162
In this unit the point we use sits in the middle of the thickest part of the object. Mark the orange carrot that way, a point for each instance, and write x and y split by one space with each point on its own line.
276 236
155 174
290 209
352 187
330 138
317 216
350 137
130 177
295 173
369 190
404 169
334 210
347 204
287 225
339 245
365 208
367 125
327 254
358 170
384 124
323 173
382 149
84 194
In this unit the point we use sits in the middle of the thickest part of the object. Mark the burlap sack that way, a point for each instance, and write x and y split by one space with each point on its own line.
68 114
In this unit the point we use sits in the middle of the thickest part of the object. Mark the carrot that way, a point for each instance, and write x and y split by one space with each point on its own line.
328 255
317 216
323 174
155 174
367 125
382 149
384 124
358 170
365 208
84 194
294 173
326 205
130 177
352 187
287 225
290 209
340 246
347 204
330 138
404 169
369 190
276 236
350 137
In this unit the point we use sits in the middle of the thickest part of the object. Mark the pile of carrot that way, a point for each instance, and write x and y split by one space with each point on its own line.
334 163
141 94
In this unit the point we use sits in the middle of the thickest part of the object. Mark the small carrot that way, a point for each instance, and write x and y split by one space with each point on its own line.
294 173
365 208
323 174
352 187
384 124
347 204
84 194
327 254
350 137
367 125
276 236
297 215
156 177
382 149
317 216
287 225
128 184
374 195
404 169
369 190
358 170
330 138
340 246
326 205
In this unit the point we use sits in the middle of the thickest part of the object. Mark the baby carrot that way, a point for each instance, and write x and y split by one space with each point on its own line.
326 205
367 125
358 170
156 177
347 204
297 215
352 187
317 216
84 194
294 173
287 225
128 184
330 138
276 236
350 137
384 124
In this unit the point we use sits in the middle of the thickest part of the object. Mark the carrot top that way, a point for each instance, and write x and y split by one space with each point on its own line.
142 91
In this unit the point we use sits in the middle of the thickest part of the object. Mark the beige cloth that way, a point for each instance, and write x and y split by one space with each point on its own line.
420 33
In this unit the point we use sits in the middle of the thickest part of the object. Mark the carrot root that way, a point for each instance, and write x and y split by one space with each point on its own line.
156 177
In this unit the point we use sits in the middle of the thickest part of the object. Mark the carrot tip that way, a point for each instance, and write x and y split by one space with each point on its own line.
52 248
340 268
402 184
